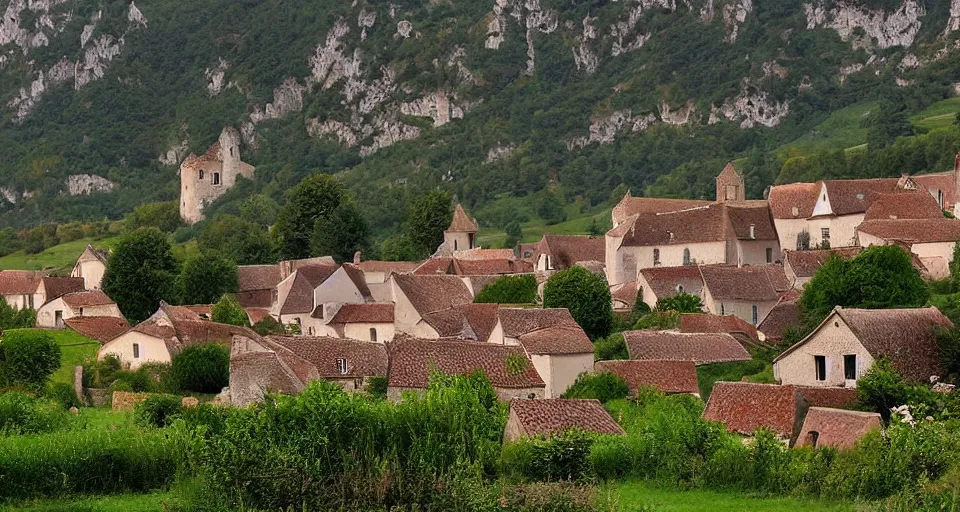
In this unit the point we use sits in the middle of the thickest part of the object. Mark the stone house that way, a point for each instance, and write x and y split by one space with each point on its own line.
349 363
630 206
77 304
412 361
801 266
846 344
416 297
558 252
791 206
256 284
551 417
744 407
205 178
670 377
368 322
665 282
730 185
100 328
308 295
701 348
747 292
90 266
23 289
167 332
836 428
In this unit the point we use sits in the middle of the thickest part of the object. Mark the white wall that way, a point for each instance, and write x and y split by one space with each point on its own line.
834 340
152 350
560 371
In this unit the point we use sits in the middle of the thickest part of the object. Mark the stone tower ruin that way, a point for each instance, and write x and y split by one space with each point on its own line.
205 178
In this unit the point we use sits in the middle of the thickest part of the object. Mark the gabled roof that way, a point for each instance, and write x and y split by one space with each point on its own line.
920 231
761 283
568 250
257 277
701 348
466 321
556 416
86 298
904 205
793 201
56 287
519 321
783 316
745 214
429 294
744 406
807 263
100 328
945 182
663 281
306 279
695 225
91 254
848 197
398 267
364 314
487 267
625 293
356 275
666 376
435 266
630 205
705 322
837 428
413 360
462 223
364 359
558 340
180 327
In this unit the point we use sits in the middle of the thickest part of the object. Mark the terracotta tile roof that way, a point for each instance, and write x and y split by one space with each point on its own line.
87 298
744 214
257 314
467 321
567 250
179 327
356 275
625 293
914 230
412 361
855 196
316 274
744 407
462 223
559 340
906 336
55 287
363 359
701 348
595 267
363 314
630 205
398 267
664 281
429 294
807 263
100 328
483 267
255 298
484 254
258 277
703 322
435 266
696 225
556 416
751 283
482 318
905 205
519 321
793 201
836 427
306 279
945 182
783 316
666 376
204 310
778 278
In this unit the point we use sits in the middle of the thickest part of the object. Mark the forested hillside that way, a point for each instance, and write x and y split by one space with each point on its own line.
493 99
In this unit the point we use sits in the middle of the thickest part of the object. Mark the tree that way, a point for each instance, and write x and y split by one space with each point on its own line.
550 208
399 247
140 273
341 234
28 358
228 311
514 234
206 277
259 209
164 216
585 295
202 368
681 303
427 218
890 122
315 198
242 241
882 388
520 289
12 318
603 386
610 348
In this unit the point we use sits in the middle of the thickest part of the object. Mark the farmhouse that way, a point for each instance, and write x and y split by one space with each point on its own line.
307 296
929 240
87 303
547 418
558 252
349 363
369 322
256 285
671 377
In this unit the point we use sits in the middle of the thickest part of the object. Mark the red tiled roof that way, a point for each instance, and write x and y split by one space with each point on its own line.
855 196
663 281
257 314
567 250
435 266
666 376
944 181
807 263
413 360
429 294
630 205
258 277
751 283
520 321
466 321
482 318
179 327
557 415
306 279
363 314
484 254
462 223
559 340
783 316
87 298
837 428
701 348
625 293
398 267
703 322
905 205
363 359
695 225
744 214
483 267
100 328
793 201
55 287
913 230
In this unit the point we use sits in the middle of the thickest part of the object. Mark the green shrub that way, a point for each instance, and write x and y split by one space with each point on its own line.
603 386
63 394
610 348
681 303
377 387
269 325
99 373
586 295
158 410
521 289
882 388
136 380
29 357
202 368
563 457
23 414
228 311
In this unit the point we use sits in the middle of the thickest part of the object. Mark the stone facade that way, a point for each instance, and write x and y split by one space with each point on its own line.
833 340
205 178
730 185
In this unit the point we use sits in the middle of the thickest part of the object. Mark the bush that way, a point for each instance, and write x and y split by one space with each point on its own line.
882 388
228 311
521 289
11 318
563 457
681 303
377 387
22 414
28 358
63 394
202 368
610 348
268 326
99 373
603 386
158 410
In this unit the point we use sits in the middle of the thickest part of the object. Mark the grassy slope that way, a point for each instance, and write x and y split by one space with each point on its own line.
61 256
155 502
641 496
842 129
74 348
939 115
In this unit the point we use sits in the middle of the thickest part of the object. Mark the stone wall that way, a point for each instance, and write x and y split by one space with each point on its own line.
125 400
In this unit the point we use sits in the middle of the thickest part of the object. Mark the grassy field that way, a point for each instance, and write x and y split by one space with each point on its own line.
842 129
939 115
533 231
646 497
61 256
155 502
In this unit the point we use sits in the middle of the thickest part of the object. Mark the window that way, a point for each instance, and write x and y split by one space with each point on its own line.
756 314
769 255
358 383
821 363
342 366
753 231
216 178
722 312
58 318
201 174
679 288
454 245
940 198
850 367
373 334
825 236
812 437
686 256
81 311
730 192
656 257
136 351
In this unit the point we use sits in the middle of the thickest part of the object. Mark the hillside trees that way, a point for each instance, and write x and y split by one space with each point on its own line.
341 234
245 242
140 273
427 218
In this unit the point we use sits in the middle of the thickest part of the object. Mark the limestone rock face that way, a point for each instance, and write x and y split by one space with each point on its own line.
885 30
215 76
752 107
86 184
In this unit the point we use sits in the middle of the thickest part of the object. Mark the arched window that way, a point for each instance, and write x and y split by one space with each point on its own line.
686 256
656 257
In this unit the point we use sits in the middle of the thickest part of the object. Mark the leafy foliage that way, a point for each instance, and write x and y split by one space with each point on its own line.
587 297
603 386
610 348
521 289
315 199
22 414
140 273
202 368
164 216
341 234
681 303
12 318
427 218
158 410
882 388
242 241
206 277
228 311
28 358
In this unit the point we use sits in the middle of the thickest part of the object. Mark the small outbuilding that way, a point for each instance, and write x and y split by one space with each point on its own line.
547 418
836 428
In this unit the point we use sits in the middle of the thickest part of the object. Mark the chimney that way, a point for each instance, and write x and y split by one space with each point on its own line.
356 257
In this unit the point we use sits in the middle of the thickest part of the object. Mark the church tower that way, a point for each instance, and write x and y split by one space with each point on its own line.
730 186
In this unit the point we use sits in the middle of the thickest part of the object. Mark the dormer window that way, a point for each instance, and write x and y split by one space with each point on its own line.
860 196
342 366
686 256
